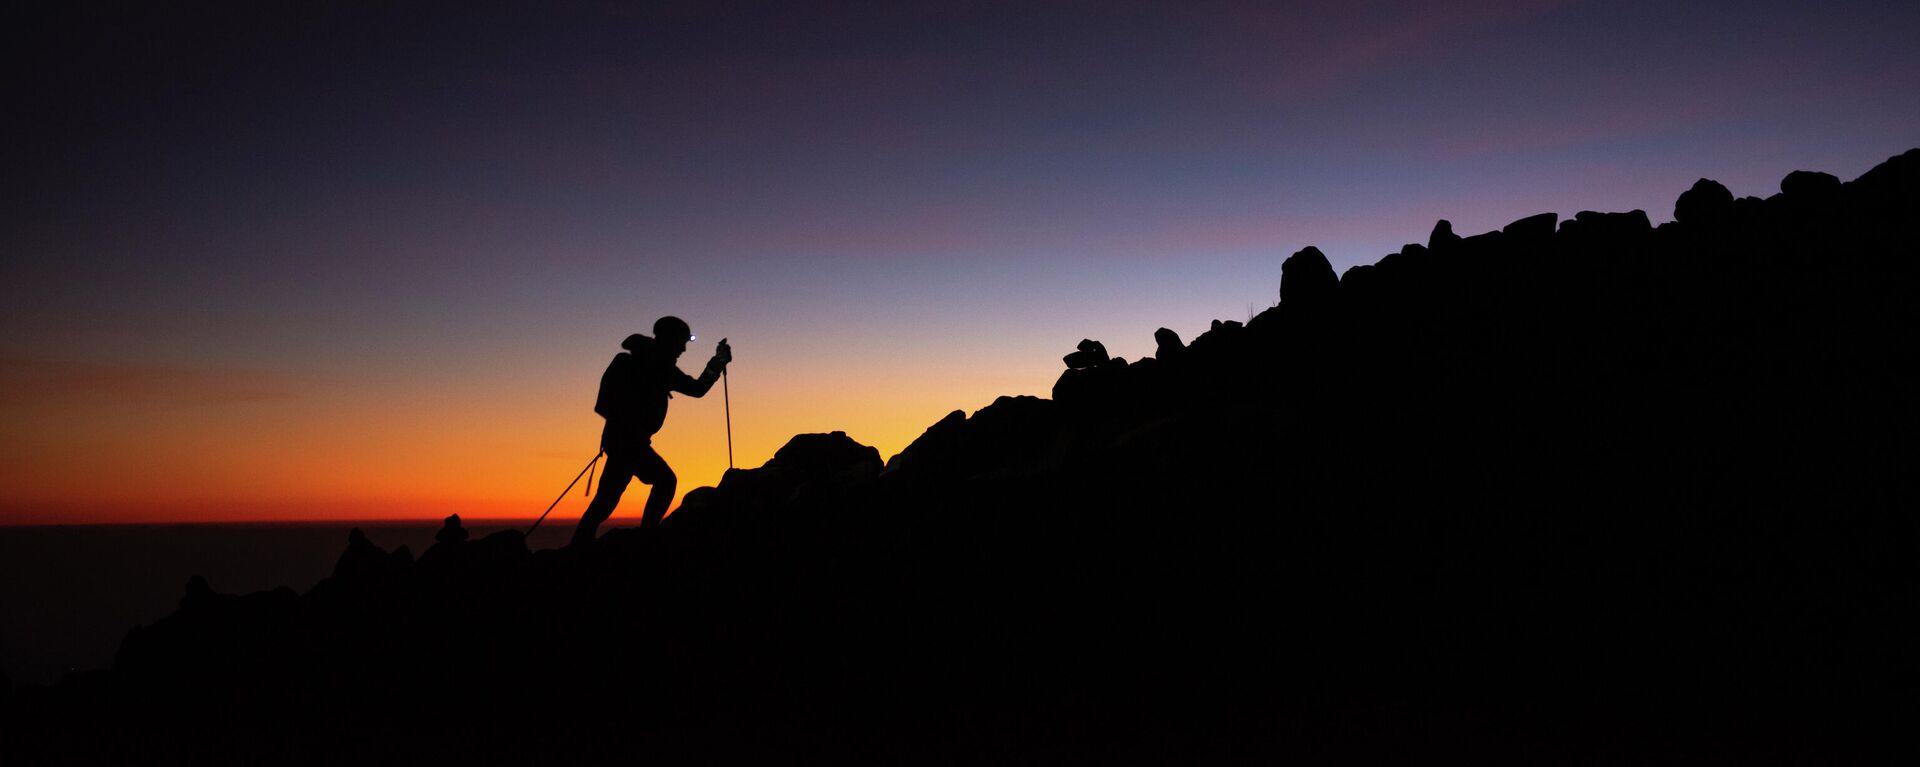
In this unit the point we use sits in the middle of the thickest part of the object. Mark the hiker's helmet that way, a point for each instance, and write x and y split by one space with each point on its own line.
671 329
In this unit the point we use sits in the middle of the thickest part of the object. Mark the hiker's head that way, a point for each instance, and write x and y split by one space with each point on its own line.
673 334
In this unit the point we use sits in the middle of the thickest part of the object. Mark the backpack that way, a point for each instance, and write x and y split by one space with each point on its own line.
617 388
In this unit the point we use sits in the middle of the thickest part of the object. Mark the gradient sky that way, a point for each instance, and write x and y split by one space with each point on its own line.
340 260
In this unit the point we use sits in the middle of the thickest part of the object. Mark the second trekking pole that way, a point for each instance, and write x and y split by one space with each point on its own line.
727 398
563 493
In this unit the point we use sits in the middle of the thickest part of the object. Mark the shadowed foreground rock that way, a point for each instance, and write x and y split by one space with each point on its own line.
1578 490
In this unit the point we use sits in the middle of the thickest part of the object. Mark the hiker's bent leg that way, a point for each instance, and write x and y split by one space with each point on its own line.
613 481
653 470
658 496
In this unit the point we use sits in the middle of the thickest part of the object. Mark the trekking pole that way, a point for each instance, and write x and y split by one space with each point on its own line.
727 397
563 493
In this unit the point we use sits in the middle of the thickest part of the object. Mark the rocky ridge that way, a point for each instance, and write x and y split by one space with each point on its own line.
1573 489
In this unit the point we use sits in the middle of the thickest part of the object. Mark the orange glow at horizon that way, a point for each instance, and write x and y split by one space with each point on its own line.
387 451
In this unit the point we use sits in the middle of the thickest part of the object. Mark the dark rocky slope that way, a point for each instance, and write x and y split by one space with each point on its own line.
1582 489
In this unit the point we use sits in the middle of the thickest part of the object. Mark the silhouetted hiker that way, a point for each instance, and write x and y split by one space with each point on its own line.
633 398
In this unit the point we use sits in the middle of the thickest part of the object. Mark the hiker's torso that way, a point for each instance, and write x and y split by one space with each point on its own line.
633 397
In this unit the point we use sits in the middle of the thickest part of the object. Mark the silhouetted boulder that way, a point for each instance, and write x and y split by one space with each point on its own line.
452 553
1706 201
1091 378
199 596
1609 224
1891 186
1442 237
1219 332
827 456
1591 229
451 531
1090 353
1532 231
363 560
1358 277
698 500
933 445
1810 185
809 469
1410 254
1167 344
449 549
1306 277
1012 434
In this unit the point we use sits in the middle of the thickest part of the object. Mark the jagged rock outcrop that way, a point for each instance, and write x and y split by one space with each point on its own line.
451 532
1705 203
1167 344
1532 231
809 469
363 559
1089 369
1013 434
829 457
1810 185
1307 277
1089 354
1609 229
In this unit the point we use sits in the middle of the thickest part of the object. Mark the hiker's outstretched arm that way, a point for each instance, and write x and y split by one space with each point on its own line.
695 387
